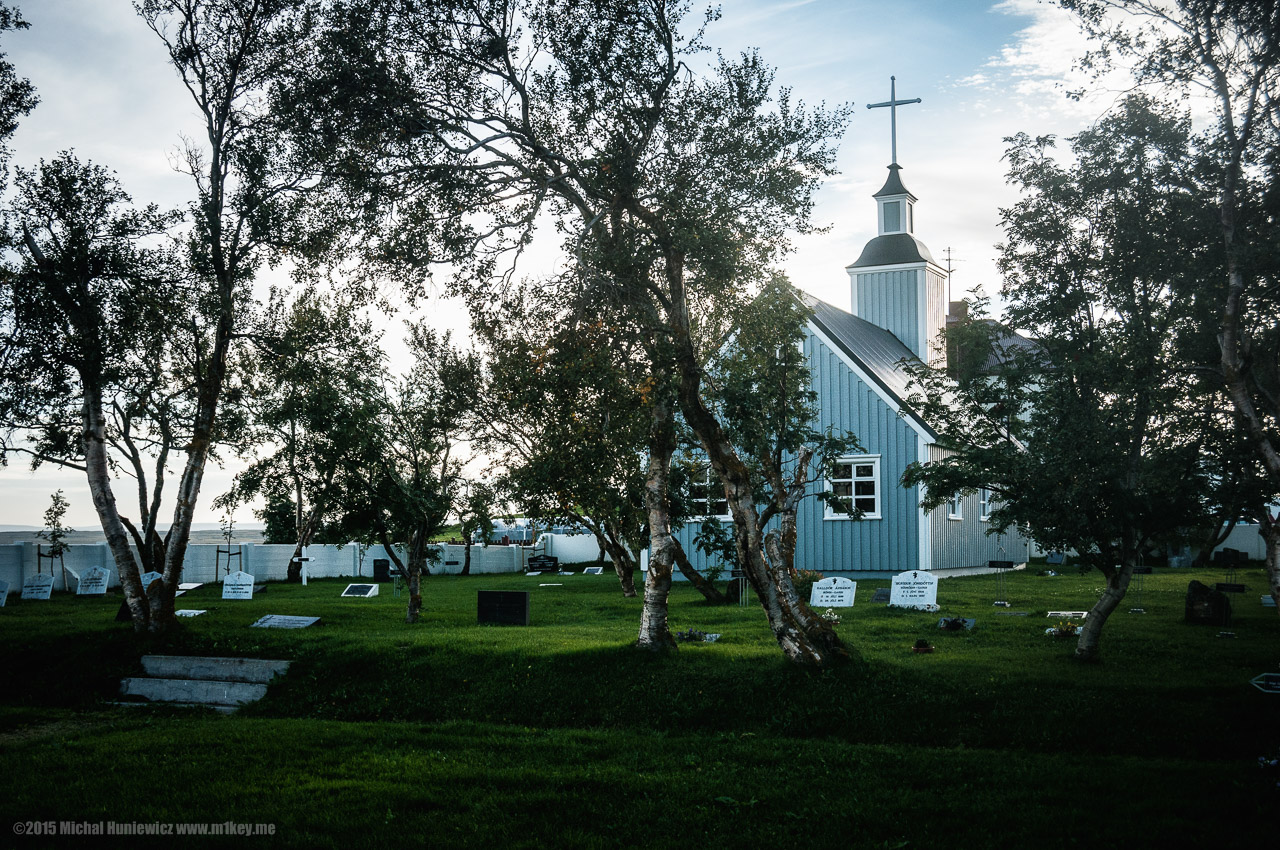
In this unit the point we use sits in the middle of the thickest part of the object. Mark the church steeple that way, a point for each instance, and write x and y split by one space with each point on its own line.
895 282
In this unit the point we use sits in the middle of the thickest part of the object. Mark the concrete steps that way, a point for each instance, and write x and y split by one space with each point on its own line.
223 684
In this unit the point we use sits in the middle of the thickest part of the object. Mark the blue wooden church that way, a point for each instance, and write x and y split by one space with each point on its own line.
898 306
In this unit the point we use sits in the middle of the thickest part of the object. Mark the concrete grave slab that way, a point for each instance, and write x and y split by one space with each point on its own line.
260 670
189 612
94 582
361 591
593 571
238 585
1073 615
281 621
38 586
915 589
834 592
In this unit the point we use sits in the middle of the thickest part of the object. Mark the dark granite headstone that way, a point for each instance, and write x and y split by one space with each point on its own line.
1207 606
504 607
1229 587
542 563
381 569
1000 565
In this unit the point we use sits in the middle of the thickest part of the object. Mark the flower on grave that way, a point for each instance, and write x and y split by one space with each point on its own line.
691 636
831 617
1065 628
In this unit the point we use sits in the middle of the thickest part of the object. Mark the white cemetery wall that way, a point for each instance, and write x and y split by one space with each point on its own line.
11 564
484 559
569 548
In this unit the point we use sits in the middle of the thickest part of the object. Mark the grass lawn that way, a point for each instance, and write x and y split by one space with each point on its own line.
451 734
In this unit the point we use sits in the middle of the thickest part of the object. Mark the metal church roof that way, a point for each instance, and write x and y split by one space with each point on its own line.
891 249
893 186
878 352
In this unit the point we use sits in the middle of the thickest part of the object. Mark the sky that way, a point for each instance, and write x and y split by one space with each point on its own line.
982 70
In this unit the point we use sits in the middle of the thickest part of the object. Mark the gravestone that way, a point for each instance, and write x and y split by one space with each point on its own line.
1268 602
238 585
4 593
94 582
149 579
381 569
1268 683
534 573
955 624
1068 615
542 563
914 589
1057 559
881 595
361 591
593 571
1229 587
1206 606
280 621
549 584
38 586
503 607
189 612
190 585
834 592
1000 565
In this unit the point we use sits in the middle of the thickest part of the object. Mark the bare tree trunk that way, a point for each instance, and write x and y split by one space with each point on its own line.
98 473
417 564
804 639
655 635
1270 532
708 589
624 565
1089 645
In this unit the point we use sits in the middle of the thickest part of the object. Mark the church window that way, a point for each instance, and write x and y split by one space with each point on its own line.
855 482
706 494
984 507
892 216
955 507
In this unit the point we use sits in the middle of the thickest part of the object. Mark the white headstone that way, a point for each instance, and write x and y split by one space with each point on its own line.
363 591
38 586
188 612
280 621
833 592
4 593
915 589
149 579
593 571
238 585
94 582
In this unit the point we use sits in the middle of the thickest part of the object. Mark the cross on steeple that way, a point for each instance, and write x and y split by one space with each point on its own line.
893 103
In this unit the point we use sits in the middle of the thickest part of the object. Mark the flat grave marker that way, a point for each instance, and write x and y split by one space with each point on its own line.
503 607
94 582
1268 602
557 584
38 586
1069 614
4 593
1012 613
189 612
881 595
1057 559
534 573
190 585
361 591
834 592
1229 587
1268 683
280 621
238 585
915 589
955 624
593 571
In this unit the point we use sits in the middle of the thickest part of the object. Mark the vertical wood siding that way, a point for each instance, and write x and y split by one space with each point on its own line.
965 543
888 299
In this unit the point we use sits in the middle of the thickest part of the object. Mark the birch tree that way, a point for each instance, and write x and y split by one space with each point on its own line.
1228 52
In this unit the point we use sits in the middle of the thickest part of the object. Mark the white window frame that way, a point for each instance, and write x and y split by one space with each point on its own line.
858 460
955 507
708 477
984 506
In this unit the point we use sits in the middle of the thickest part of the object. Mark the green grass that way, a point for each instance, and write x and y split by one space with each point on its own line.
562 734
